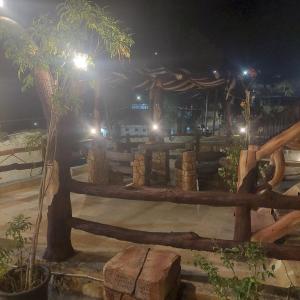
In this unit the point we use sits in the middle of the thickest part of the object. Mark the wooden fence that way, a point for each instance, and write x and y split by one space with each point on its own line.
61 221
18 166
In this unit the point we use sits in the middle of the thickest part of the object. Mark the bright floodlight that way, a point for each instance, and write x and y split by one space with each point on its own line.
245 72
138 97
155 127
243 130
93 131
1 3
80 61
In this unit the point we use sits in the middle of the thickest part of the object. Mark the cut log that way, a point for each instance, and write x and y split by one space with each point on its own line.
220 199
181 240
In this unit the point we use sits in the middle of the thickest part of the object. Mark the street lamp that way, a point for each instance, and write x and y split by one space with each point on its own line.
80 61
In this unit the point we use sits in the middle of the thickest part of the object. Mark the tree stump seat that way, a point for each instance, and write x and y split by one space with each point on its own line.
140 273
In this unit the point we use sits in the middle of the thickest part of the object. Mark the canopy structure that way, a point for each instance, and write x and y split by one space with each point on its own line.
161 79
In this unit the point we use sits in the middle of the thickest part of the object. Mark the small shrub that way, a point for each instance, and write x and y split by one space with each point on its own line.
246 288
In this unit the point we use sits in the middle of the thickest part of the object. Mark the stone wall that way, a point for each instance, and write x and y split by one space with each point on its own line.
186 176
139 170
159 162
98 166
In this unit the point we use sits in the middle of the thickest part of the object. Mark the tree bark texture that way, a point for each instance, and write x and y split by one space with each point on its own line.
44 84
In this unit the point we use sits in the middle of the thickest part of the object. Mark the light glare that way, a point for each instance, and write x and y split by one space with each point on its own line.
245 72
80 61
243 130
1 3
93 131
155 127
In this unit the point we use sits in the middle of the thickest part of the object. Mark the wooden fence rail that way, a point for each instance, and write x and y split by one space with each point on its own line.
18 150
219 199
24 166
183 240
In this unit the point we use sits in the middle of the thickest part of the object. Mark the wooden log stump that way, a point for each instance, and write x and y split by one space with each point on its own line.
142 273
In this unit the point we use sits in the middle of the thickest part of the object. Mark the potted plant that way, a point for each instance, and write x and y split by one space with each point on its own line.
15 280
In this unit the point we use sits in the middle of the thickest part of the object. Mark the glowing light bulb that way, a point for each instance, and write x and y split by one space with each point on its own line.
80 61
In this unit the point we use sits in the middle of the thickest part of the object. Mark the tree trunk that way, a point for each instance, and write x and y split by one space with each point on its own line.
59 246
98 168
155 96
44 84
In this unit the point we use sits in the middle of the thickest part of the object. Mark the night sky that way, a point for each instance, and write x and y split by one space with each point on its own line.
199 34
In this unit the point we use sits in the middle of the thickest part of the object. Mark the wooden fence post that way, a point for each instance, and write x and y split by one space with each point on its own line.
247 179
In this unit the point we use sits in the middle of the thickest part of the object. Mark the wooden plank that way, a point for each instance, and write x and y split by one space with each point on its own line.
18 150
183 240
219 199
25 166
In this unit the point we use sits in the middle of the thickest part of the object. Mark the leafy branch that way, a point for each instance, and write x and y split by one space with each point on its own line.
246 288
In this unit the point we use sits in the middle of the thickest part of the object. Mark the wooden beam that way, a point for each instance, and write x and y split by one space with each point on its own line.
25 166
278 141
220 199
183 240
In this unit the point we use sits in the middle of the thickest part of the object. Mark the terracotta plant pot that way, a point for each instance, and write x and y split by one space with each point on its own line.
39 292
